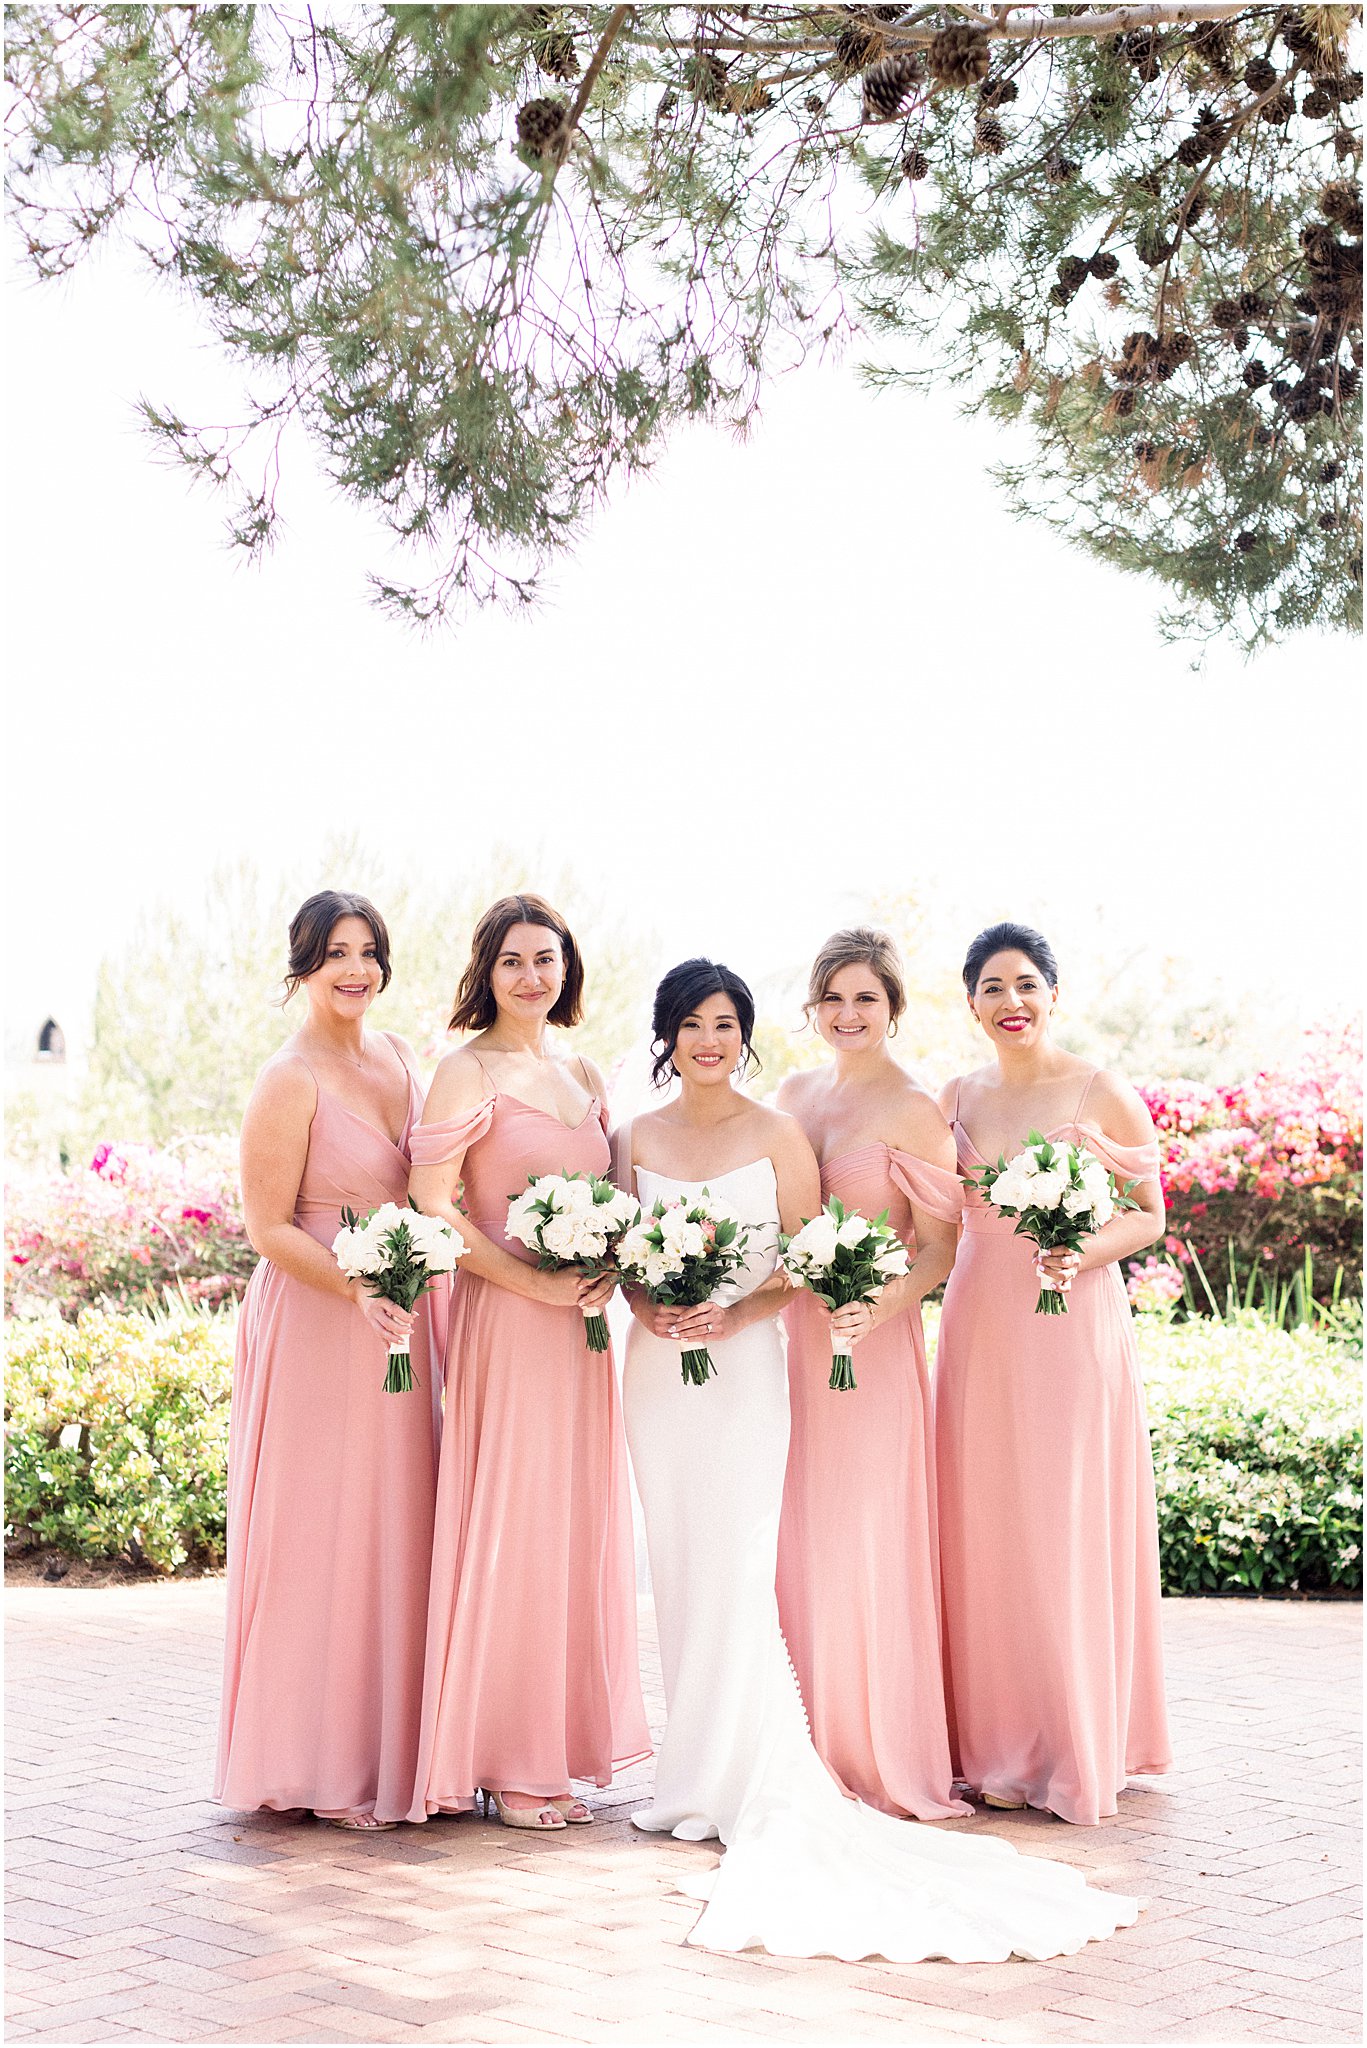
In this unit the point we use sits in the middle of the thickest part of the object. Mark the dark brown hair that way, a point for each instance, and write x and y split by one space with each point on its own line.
1009 938
861 945
475 1008
313 924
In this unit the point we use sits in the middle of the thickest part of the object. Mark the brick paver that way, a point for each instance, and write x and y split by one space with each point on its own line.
140 1912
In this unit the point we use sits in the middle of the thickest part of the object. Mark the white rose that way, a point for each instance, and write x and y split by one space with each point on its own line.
551 1188
1103 1208
893 1260
683 1238
1077 1202
351 1252
853 1231
523 1219
635 1248
817 1240
658 1268
620 1211
560 1236
1047 1188
578 1196
1010 1190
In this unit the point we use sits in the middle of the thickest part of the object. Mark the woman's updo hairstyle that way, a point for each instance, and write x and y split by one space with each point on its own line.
313 924
475 1007
683 991
862 945
1009 938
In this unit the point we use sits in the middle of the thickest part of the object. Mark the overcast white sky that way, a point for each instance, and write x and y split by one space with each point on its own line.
777 679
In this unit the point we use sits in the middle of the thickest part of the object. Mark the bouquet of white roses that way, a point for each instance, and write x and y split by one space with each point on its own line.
843 1257
573 1219
678 1255
398 1252
1059 1194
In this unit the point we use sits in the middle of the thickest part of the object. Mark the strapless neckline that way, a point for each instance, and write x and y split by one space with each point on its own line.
708 1180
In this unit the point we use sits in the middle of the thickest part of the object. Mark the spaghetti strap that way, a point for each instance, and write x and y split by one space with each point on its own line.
1086 1091
957 1086
621 1157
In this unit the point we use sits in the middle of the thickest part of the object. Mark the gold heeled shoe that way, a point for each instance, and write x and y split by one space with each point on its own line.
546 1819
573 1812
1003 1805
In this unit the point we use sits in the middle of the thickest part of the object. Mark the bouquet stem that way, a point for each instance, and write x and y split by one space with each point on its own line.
595 1329
1051 1302
697 1368
842 1380
399 1378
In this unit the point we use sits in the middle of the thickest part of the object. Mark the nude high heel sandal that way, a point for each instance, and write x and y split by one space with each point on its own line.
544 1818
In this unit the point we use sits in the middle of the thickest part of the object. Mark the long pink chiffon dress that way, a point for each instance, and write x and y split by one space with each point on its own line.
331 1489
531 1673
1048 1528
858 1561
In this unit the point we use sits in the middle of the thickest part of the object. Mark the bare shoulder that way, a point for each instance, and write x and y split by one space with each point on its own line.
285 1087
406 1054
459 1083
781 1132
593 1074
949 1094
920 1125
795 1090
1120 1110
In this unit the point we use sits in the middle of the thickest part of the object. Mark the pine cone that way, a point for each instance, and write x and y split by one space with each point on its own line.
989 136
1123 402
1226 313
1104 264
1140 47
915 164
1174 350
1103 100
1342 204
555 53
889 84
1213 43
1058 169
1279 108
960 56
1328 521
1298 37
1194 208
1319 243
540 125
1192 150
1348 383
1146 451
1254 374
1318 105
1345 143
1331 472
814 104
1253 306
1237 338
1153 247
1259 74
998 92
857 46
1072 273
1279 388
1135 353
708 80
1246 541
1331 299
1151 181
1350 86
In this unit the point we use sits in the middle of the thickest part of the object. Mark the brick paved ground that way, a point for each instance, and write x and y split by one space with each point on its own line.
141 1912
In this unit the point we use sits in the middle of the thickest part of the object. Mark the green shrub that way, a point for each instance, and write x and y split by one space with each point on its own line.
116 1434
1257 1445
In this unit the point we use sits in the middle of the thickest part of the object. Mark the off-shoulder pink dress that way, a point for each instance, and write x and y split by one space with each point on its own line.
858 1565
531 1672
331 1486
1048 1529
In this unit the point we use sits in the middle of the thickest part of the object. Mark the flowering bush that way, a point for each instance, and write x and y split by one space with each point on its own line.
1259 1174
116 1433
127 1227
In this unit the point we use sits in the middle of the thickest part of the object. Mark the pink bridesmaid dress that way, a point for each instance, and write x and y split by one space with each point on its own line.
531 1675
1048 1529
331 1489
858 1571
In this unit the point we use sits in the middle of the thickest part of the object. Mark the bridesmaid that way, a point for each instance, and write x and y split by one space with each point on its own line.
858 1575
331 1481
1048 1530
531 1677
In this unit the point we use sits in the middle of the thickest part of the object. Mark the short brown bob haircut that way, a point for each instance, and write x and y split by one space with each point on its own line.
313 924
861 946
475 1008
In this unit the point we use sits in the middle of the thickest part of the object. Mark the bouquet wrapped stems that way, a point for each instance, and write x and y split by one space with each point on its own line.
844 1257
397 1252
1059 1195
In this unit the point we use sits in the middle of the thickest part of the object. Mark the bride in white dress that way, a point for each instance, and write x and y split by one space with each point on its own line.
807 1871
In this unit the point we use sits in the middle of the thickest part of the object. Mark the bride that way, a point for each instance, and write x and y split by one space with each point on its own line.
807 1871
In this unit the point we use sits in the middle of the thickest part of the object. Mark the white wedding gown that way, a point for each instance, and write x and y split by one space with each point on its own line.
806 1871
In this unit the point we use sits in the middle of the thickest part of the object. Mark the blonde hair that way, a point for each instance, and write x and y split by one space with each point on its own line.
862 945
